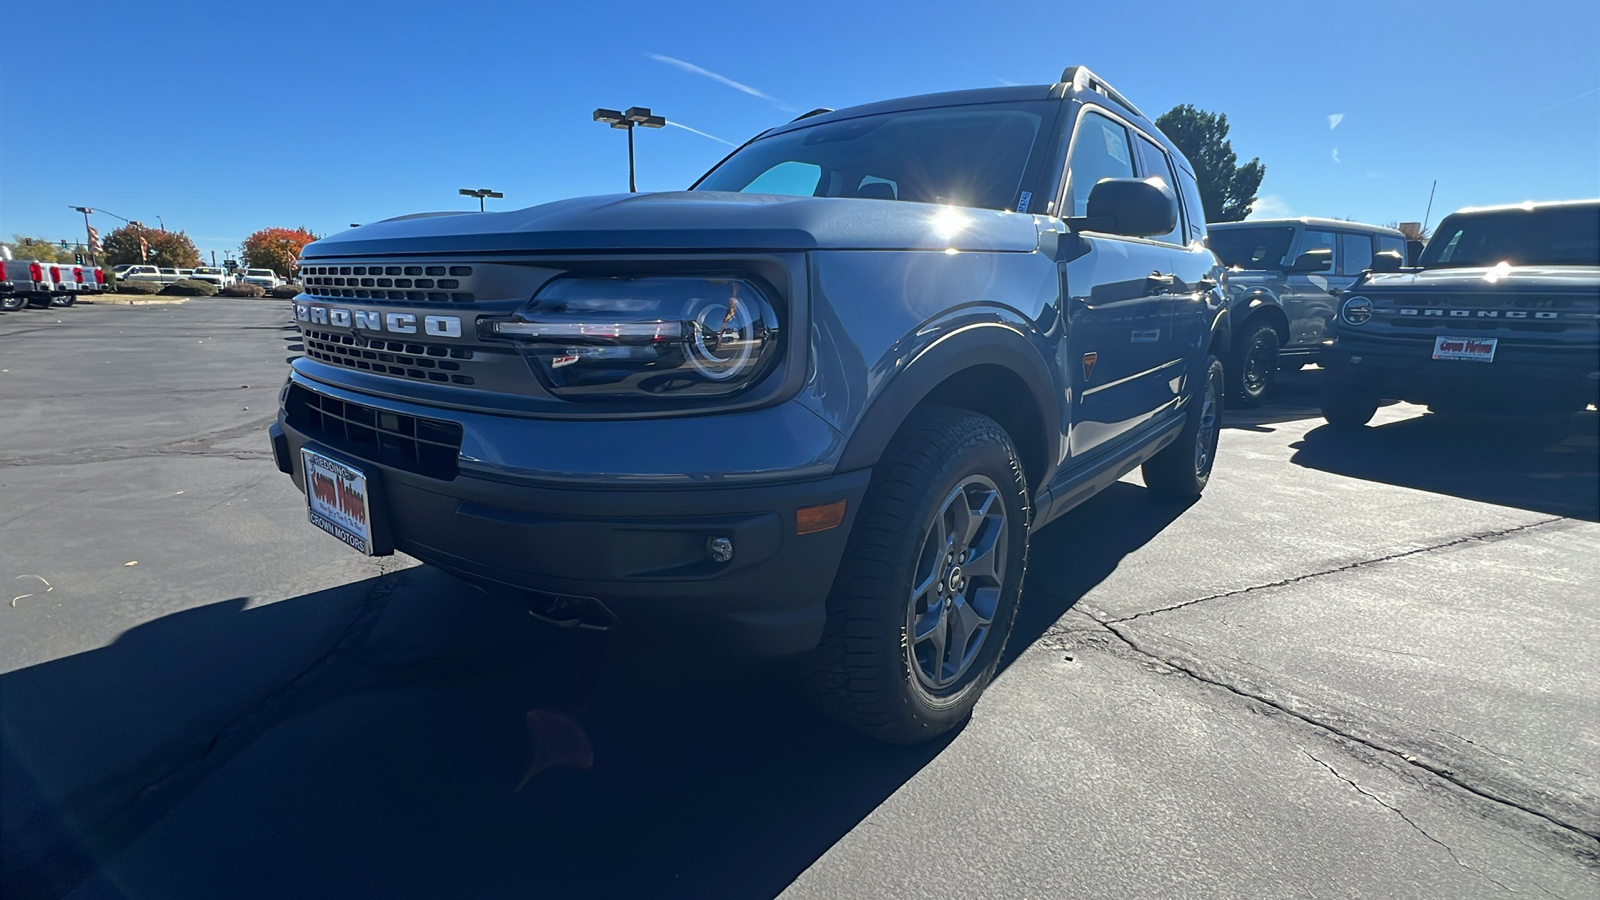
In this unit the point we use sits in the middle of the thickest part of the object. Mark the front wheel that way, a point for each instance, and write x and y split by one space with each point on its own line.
1183 468
1255 364
925 597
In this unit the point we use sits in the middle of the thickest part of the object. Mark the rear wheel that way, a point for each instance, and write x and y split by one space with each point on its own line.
925 596
1347 407
12 302
63 300
1255 364
1183 468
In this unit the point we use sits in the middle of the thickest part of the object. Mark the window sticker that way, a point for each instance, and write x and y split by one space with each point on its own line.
1116 142
1022 204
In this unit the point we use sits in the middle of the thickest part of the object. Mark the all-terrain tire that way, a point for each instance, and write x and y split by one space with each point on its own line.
1182 469
1253 370
872 668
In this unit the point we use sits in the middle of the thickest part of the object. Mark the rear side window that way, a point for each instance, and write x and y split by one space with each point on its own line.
1355 254
1099 151
1153 163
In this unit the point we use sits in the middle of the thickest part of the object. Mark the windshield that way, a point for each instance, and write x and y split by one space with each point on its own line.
1263 247
1549 236
962 155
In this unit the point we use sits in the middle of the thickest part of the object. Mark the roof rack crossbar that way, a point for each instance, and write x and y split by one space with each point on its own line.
1081 78
815 112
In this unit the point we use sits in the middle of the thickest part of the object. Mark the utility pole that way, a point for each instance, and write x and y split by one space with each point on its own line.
1429 213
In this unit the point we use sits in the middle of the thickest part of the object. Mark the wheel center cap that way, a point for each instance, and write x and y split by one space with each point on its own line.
955 579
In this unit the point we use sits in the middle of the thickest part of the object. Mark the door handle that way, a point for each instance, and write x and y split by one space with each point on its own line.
1157 283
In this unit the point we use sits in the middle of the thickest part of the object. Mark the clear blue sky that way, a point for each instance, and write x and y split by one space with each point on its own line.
227 117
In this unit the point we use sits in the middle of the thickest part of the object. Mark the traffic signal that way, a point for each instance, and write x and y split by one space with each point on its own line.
79 258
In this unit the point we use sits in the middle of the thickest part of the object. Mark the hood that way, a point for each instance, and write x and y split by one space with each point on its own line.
691 221
1492 279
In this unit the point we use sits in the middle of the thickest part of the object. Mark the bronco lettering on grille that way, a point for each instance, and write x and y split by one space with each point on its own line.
374 320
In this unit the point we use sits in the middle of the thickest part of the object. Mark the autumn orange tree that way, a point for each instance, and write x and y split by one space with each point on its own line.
266 249
173 249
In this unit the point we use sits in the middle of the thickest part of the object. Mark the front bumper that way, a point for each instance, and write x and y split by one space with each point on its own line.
642 552
1523 376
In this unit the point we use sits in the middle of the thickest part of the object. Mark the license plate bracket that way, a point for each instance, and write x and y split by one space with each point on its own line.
339 500
1464 348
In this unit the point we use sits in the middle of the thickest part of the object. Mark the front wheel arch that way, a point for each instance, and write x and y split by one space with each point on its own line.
987 369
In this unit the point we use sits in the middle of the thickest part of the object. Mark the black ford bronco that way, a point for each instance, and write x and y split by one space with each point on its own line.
814 406
1501 314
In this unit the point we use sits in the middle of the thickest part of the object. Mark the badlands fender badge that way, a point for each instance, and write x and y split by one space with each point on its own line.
1088 364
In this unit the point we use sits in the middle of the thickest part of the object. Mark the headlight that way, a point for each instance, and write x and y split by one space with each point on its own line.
1356 310
669 337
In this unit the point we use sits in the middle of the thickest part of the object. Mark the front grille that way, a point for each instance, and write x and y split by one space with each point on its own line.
423 362
425 446
407 283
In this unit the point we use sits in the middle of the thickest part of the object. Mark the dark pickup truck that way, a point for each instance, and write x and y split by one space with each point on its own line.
1501 315
814 405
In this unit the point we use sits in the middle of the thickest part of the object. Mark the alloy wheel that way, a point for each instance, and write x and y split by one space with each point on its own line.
956 583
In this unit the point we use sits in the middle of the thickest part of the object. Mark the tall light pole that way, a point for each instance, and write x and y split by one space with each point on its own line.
480 193
628 119
88 233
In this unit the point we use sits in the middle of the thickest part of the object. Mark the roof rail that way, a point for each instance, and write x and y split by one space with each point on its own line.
1080 78
815 112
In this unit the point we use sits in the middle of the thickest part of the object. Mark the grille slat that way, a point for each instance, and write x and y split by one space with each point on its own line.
335 283
428 447
397 359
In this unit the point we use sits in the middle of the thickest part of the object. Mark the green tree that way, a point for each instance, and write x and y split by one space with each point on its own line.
173 249
1226 189
24 247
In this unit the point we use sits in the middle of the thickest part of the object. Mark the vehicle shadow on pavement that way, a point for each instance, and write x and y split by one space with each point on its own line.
401 760
1546 464
1295 395
1078 551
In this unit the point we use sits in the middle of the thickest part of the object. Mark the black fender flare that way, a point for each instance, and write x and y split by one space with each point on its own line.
965 348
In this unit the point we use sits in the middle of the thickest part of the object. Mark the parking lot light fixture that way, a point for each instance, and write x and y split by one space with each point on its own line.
480 193
629 119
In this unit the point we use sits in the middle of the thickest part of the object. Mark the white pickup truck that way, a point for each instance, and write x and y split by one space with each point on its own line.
151 274
262 277
214 274
45 283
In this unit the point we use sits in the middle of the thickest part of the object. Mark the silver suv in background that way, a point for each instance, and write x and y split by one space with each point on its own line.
1284 277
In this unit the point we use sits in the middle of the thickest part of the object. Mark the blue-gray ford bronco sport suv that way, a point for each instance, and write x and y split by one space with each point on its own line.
813 406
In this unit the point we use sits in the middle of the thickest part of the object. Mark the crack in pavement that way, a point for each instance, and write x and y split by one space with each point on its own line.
1582 836
1407 819
1477 536
202 445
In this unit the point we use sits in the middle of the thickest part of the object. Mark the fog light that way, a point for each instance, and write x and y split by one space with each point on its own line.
720 549
808 519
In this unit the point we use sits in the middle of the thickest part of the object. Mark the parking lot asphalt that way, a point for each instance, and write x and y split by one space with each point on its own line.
1361 666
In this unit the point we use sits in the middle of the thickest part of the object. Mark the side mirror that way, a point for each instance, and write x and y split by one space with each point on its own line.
1132 207
1318 260
1387 261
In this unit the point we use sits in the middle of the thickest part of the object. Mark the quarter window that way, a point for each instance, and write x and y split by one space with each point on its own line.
1099 151
1153 162
1355 253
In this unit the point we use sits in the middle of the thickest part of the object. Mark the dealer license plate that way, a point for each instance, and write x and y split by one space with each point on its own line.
337 500
1474 349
